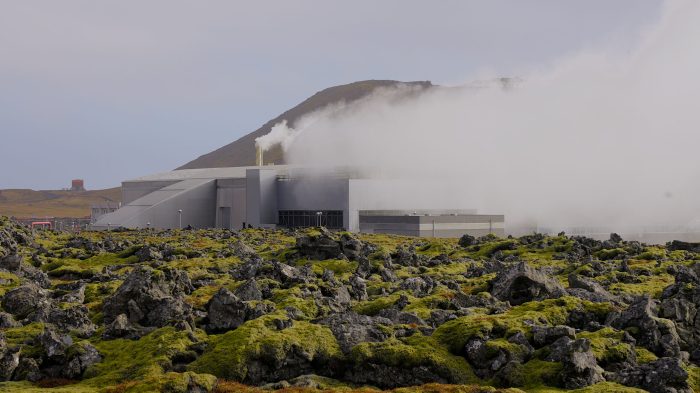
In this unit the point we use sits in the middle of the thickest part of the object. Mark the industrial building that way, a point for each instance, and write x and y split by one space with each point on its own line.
285 196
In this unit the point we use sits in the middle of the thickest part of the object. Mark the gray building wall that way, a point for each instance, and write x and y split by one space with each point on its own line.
314 193
230 203
433 226
197 202
133 190
261 196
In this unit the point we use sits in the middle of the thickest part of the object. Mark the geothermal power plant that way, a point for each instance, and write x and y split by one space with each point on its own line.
285 196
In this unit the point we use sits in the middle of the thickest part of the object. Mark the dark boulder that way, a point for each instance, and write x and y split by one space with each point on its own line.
683 246
420 286
121 327
248 291
82 356
657 334
148 253
9 359
227 312
679 303
11 262
8 321
24 300
405 256
151 297
522 284
467 240
402 317
320 247
74 319
350 246
665 375
488 358
580 368
54 344
351 329
588 289
545 335
358 288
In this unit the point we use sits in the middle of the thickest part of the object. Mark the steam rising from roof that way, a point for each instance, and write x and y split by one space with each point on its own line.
600 139
280 134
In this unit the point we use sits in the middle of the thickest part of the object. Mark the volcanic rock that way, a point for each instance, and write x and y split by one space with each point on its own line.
151 297
522 284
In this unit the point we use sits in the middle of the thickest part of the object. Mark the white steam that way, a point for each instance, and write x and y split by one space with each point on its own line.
601 139
280 134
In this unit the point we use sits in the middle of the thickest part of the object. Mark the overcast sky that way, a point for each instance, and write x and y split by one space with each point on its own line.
109 90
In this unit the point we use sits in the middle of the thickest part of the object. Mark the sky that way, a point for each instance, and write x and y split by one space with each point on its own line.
111 90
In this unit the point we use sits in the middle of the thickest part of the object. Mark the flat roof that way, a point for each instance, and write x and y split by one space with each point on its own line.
419 212
203 173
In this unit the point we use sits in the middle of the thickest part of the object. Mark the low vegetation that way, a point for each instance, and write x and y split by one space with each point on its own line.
313 311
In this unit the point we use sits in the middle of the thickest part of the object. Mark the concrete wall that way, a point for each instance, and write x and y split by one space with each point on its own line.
322 193
433 226
261 196
198 205
133 190
230 201
408 195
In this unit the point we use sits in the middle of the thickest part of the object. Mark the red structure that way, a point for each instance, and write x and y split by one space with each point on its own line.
77 185
41 224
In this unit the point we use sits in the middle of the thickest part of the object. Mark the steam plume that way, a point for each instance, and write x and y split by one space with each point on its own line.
600 139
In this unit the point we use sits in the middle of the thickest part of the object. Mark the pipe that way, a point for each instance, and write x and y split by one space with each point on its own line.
258 156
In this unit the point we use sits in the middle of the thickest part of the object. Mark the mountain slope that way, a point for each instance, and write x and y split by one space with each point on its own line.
25 203
242 151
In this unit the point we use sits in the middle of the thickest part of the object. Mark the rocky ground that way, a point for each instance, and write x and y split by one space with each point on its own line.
257 310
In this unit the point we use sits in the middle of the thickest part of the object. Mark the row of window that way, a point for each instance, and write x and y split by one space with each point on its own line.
311 218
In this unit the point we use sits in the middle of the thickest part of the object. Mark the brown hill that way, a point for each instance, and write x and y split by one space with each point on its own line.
24 203
242 151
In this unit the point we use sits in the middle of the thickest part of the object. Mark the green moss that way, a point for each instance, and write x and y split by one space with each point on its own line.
374 306
644 355
23 334
142 360
538 372
652 285
256 340
415 351
180 382
424 306
457 332
608 254
694 377
342 268
8 281
488 249
607 346
85 268
292 298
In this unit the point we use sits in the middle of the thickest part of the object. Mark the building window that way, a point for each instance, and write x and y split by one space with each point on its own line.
311 218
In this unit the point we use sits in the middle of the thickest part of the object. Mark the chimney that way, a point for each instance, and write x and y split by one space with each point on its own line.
258 156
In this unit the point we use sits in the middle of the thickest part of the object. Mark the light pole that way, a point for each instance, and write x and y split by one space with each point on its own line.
179 218
318 220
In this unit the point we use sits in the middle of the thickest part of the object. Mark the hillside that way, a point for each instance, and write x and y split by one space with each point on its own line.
24 203
259 310
242 151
